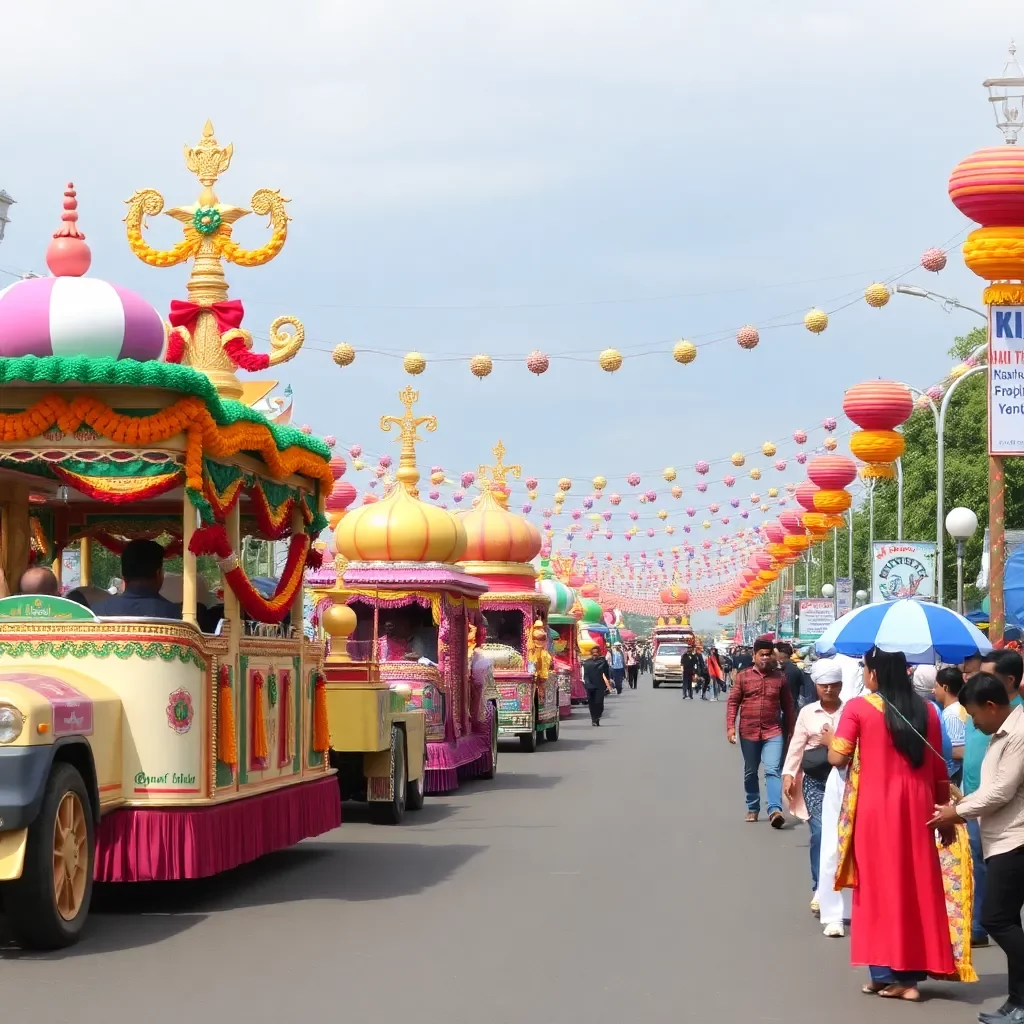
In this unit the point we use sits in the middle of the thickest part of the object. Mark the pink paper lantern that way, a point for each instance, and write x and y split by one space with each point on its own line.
800 436
633 479
615 499
702 487
702 467
729 481
531 483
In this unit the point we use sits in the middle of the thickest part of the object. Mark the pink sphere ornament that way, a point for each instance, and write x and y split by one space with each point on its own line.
355 451
306 429
702 487
457 496
829 423
650 532
537 362
588 503
702 467
633 479
677 491
634 515
933 260
800 436
801 457
527 509
606 516
615 499
331 441
434 495
691 512
576 514
467 478
651 495
729 481
384 461
747 337
608 536
780 465
735 502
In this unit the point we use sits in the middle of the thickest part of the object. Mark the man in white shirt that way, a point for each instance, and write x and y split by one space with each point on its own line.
999 804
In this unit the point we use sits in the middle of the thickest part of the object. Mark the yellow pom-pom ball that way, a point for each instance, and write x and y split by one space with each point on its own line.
773 492
359 464
670 528
610 359
831 444
677 491
662 514
876 295
684 352
669 474
481 366
958 371
344 354
532 495
816 321
437 478
565 484
706 524
738 459
768 449
600 483
755 474
414 363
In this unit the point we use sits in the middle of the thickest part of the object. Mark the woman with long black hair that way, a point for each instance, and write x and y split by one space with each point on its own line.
892 741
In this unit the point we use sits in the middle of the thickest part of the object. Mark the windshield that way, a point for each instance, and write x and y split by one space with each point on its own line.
671 650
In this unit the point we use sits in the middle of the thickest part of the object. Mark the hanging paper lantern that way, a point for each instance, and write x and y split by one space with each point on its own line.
650 532
773 492
684 352
633 479
576 513
877 295
755 474
532 495
610 360
527 509
457 496
668 474
735 502
933 260
832 501
608 536
633 514
588 503
531 483
701 487
306 429
677 491
985 187
831 472
691 512
331 441
651 495
546 524
564 484
606 515
780 465
437 478
816 321
702 467
800 436
801 457
614 498
829 423
879 446
373 483
537 362
768 449
747 337
344 354
738 458
755 498
830 444
384 461
358 464
355 451
662 514
706 524
729 480
434 495
481 365
878 404
414 363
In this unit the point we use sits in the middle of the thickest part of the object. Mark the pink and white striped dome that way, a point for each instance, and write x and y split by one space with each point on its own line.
72 315
77 316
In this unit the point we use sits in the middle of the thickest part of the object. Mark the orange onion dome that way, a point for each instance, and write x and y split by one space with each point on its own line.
400 528
988 186
878 404
494 534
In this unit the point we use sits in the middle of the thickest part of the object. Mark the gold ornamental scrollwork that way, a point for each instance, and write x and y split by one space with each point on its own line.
205 332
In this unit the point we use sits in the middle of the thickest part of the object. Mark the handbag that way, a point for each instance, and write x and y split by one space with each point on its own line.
815 763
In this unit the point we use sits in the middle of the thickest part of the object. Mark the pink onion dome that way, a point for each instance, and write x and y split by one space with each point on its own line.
72 315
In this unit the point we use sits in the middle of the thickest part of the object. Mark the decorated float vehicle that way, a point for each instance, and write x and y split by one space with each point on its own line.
499 549
405 617
670 639
139 749
565 656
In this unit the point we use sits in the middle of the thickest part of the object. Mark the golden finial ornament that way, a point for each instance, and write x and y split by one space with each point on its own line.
408 424
205 332
497 474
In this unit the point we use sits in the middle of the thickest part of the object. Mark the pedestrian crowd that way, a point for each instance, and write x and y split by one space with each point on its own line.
911 781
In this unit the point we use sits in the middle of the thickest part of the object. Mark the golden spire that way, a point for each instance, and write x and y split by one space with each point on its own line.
498 474
209 336
408 475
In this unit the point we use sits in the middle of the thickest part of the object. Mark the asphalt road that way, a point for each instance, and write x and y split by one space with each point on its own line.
607 878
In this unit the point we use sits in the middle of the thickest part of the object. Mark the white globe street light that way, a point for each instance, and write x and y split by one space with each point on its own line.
827 590
961 525
862 597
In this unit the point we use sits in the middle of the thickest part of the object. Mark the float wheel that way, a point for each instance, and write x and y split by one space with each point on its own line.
552 734
48 906
494 747
392 812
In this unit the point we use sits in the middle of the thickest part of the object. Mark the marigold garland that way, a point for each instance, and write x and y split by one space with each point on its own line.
321 725
227 744
260 751
119 490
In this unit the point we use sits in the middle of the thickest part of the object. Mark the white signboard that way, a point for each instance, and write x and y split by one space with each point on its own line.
1006 380
816 615
70 569
903 569
844 595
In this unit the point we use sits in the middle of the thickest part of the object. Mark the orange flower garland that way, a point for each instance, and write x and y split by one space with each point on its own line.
321 725
227 745
260 751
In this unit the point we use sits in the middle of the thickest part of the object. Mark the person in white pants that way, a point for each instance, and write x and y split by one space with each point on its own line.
835 907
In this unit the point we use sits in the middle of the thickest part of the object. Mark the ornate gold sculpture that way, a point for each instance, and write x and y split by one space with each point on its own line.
408 475
495 476
207 327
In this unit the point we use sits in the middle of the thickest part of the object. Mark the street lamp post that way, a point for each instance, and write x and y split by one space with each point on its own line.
961 524
6 202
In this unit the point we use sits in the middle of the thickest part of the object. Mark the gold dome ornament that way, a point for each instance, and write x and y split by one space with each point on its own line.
344 354
414 363
684 352
498 474
610 360
877 295
816 321
400 527
481 366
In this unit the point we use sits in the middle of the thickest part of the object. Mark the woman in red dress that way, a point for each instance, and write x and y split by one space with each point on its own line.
887 852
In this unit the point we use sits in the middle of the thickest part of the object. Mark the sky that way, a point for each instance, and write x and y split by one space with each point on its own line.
500 177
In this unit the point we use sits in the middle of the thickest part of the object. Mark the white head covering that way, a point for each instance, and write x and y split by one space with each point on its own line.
826 670
924 680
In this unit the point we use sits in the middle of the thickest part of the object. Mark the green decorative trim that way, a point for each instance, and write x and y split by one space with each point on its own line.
297 701
206 219
243 718
152 374
313 759
61 649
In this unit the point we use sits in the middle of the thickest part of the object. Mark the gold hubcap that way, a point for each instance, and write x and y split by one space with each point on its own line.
70 856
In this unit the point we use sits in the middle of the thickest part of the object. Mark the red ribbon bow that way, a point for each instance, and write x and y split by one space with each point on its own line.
228 314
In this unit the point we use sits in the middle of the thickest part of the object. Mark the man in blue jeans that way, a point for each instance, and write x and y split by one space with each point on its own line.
763 703
1009 667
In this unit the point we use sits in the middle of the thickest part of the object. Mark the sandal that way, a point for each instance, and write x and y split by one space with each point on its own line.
751 816
872 988
908 993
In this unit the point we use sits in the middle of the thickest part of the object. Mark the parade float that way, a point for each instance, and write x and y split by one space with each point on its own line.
500 548
562 625
413 617
136 749
671 637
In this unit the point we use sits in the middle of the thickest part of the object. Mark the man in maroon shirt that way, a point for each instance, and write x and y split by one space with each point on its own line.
763 703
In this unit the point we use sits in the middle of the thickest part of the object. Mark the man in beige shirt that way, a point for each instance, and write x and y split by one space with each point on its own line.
999 805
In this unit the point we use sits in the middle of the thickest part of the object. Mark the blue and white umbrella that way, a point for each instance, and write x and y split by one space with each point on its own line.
923 631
